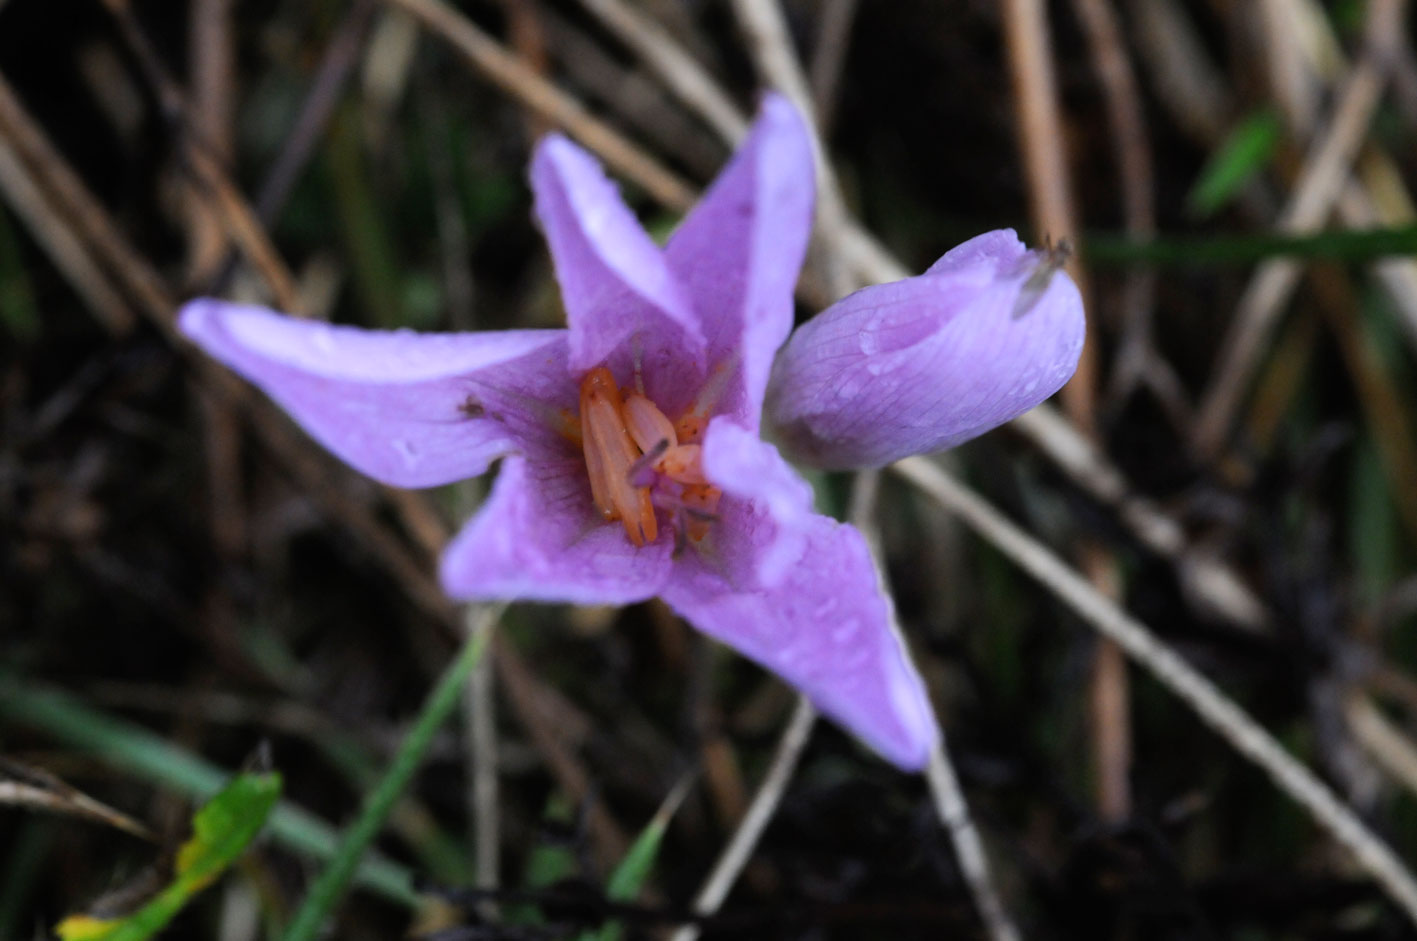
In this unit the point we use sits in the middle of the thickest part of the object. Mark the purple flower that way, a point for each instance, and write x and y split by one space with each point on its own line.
920 365
630 459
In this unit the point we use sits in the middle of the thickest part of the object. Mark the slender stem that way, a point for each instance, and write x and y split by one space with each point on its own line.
331 885
1214 708
953 812
736 854
482 740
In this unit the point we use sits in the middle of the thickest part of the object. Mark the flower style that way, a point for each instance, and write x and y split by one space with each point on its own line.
923 364
631 464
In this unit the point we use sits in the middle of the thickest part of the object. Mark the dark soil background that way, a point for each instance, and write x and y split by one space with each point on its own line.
176 559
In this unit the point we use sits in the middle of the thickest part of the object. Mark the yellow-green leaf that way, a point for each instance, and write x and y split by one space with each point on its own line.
221 831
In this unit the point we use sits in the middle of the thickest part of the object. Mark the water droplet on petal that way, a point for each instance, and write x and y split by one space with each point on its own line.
406 451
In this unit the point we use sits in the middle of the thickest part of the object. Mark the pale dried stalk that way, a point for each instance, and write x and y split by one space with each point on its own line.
1210 584
1181 71
770 46
1213 707
680 73
760 812
953 812
1055 216
1393 751
68 254
202 162
480 717
1325 172
542 96
75 209
211 64
829 57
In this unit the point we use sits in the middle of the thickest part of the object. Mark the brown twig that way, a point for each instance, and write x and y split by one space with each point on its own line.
523 83
1319 186
1209 703
676 68
202 161
828 59
1050 190
23 193
770 45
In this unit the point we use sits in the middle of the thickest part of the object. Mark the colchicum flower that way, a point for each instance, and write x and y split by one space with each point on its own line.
631 464
630 459
923 364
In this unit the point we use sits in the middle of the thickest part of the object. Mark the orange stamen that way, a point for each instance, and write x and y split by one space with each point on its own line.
683 463
702 502
610 453
690 428
646 424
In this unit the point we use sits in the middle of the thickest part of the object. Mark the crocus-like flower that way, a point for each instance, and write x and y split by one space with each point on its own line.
630 459
920 365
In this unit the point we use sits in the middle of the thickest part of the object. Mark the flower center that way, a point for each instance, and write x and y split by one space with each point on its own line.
638 460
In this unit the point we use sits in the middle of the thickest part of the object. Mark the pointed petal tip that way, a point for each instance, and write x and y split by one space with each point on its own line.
777 109
614 281
204 317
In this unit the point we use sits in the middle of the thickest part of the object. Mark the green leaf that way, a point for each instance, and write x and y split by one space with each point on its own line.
633 871
1239 157
221 831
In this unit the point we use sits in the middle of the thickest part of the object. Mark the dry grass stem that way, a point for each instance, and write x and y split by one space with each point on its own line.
23 194
829 58
1393 751
760 812
770 45
480 719
522 82
953 813
673 65
1326 169
1213 707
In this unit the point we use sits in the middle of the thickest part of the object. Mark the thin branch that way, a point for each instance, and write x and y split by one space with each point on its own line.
1325 172
1389 747
522 82
828 58
480 718
760 812
1211 705
953 812
1055 216
770 46
681 74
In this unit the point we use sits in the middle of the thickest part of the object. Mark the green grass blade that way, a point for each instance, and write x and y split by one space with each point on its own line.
632 873
331 885
138 751
1240 156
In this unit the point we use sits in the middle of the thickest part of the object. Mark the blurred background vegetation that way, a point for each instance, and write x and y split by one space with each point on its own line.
186 580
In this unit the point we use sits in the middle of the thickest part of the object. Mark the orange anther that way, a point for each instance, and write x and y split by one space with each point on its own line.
701 502
609 455
691 427
647 424
683 463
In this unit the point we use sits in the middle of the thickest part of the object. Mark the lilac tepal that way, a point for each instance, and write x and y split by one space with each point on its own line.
631 465
923 364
